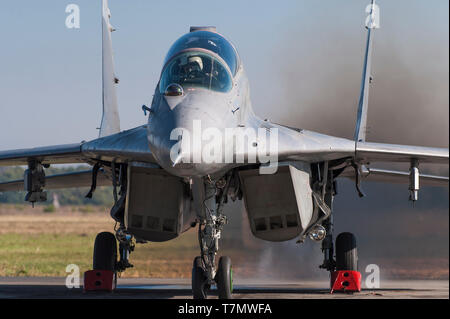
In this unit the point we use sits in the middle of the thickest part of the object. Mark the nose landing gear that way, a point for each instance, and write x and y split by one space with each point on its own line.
200 285
224 278
204 272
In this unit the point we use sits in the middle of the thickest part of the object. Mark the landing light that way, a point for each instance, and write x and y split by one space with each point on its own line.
318 233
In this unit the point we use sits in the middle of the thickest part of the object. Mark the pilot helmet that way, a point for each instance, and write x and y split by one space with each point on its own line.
196 63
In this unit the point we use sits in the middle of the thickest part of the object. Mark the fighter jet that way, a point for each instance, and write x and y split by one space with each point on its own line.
203 146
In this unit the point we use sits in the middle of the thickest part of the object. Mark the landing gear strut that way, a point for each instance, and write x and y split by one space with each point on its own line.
126 246
204 272
343 267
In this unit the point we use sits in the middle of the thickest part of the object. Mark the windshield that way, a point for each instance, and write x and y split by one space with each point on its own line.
194 69
209 41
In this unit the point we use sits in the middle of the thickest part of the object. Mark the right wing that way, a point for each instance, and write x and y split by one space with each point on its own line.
68 180
58 154
126 146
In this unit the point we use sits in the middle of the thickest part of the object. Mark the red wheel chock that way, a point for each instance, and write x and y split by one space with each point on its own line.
345 281
99 280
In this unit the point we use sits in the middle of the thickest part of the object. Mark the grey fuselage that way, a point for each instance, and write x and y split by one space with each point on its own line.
213 110
224 110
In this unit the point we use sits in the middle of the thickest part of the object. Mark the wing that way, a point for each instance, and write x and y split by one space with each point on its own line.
75 179
126 146
59 154
303 145
345 156
378 152
358 153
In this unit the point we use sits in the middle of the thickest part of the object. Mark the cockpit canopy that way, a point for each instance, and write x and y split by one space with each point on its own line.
196 69
200 59
210 41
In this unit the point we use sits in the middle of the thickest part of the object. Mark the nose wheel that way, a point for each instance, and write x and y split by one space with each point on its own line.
200 284
224 278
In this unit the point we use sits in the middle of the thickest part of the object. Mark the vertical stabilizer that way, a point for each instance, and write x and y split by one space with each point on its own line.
372 23
110 118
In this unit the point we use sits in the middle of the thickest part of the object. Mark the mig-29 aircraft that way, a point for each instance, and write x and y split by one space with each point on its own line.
202 146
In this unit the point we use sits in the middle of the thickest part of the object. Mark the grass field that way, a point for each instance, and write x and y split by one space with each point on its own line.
43 244
38 243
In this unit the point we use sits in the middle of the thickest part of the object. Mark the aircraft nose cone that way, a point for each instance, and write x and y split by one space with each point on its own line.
176 133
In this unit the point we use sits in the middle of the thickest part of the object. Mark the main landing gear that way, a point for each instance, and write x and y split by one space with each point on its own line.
344 275
341 257
343 268
105 251
204 272
346 252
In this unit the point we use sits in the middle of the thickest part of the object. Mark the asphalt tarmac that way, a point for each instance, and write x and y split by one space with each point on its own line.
50 287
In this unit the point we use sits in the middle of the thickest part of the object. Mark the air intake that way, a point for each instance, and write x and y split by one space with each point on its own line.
210 29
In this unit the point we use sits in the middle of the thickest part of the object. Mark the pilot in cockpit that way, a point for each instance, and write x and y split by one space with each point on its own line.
192 69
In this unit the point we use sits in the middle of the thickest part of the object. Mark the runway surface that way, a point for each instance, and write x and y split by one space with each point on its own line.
23 287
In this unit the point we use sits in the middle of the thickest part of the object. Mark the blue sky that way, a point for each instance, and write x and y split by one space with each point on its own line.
50 89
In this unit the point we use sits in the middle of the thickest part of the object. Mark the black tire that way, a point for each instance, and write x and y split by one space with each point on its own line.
346 252
224 278
199 285
105 252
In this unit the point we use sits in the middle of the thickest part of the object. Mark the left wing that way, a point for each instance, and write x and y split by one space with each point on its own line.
396 177
362 153
366 153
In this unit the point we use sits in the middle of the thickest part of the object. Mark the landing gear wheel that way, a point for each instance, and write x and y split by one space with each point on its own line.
199 285
224 278
105 252
346 252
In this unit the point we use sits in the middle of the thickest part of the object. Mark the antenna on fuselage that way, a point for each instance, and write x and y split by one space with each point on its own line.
210 29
